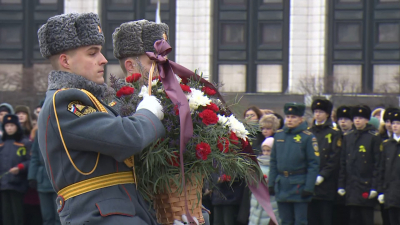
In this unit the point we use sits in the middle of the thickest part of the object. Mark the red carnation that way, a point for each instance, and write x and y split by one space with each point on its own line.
155 78
265 176
365 195
133 78
223 144
212 107
176 108
185 88
234 139
174 161
184 80
209 117
202 150
225 178
125 90
208 91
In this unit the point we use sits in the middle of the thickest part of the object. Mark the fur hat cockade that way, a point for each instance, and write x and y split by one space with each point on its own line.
361 111
137 37
69 31
294 108
344 112
322 104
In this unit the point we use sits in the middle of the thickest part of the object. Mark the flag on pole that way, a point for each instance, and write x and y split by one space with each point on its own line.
158 17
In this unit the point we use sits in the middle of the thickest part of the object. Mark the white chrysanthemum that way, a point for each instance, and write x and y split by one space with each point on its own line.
160 90
144 91
178 78
237 127
223 120
154 82
197 98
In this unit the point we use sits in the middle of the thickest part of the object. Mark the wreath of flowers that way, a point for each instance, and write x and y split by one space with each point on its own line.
215 147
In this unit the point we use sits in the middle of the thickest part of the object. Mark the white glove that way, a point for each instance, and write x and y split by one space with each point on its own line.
381 198
185 221
341 192
372 194
319 180
152 104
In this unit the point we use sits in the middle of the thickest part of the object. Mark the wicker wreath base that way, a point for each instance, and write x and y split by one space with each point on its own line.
171 206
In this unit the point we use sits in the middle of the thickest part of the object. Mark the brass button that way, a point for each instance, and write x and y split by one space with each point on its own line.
365 161
366 182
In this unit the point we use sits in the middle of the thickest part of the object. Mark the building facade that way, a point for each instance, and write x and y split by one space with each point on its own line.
269 51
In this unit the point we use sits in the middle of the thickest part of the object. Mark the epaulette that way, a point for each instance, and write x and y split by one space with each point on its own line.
349 132
280 130
374 132
386 140
307 132
19 144
334 128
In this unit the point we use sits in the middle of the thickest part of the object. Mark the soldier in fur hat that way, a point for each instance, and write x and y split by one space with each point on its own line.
329 141
90 167
359 167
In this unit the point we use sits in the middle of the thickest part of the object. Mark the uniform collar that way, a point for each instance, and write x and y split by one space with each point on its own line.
62 79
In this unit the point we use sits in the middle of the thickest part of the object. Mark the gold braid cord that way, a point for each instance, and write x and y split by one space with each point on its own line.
101 108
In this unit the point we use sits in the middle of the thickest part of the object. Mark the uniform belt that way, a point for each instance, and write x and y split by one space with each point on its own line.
291 173
96 183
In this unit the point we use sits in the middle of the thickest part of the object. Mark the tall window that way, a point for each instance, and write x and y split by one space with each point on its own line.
364 45
251 39
115 12
19 22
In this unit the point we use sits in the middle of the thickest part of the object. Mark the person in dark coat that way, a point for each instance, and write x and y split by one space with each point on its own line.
294 166
88 148
385 132
341 213
359 167
329 141
390 181
14 162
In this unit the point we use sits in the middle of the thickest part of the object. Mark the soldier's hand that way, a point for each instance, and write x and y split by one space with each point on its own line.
152 104
341 192
185 221
319 180
381 198
14 170
271 191
305 194
372 194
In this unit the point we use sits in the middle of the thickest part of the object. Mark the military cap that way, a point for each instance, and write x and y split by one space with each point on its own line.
322 104
69 31
344 112
11 118
388 113
361 111
294 108
137 37
395 116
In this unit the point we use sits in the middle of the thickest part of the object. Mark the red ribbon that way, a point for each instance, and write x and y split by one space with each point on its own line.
167 70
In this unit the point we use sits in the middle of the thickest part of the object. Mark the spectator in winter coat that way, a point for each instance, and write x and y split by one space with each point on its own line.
14 162
5 109
269 124
24 116
258 216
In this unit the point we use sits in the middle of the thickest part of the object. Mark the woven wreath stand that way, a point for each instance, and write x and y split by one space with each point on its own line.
170 206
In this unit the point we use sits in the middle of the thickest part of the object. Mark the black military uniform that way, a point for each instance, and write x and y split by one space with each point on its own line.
359 169
329 145
390 172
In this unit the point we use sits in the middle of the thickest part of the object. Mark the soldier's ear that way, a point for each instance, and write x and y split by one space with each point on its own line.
130 66
63 61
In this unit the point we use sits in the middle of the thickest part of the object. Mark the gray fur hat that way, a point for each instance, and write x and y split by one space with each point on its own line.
69 31
137 37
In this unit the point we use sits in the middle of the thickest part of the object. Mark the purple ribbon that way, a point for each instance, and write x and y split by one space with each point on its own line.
167 70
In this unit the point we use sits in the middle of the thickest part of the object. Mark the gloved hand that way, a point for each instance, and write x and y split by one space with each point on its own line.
305 194
271 191
152 104
319 180
33 184
185 221
372 194
381 198
341 192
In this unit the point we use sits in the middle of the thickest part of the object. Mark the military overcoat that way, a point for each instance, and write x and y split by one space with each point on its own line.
390 172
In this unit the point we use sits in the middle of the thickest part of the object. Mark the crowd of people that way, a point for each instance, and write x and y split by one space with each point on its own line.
27 196
334 168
